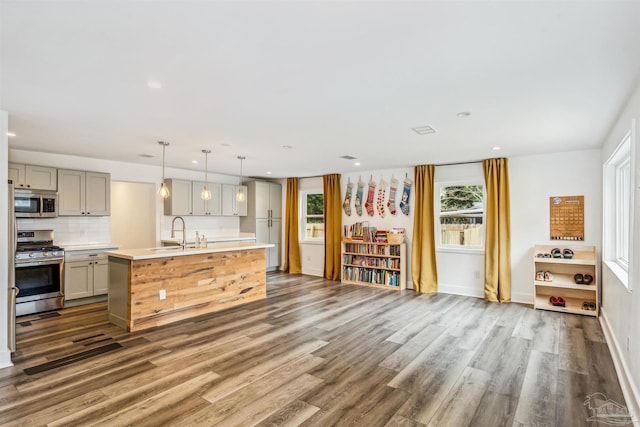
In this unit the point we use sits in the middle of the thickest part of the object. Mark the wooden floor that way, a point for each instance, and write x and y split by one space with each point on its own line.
314 353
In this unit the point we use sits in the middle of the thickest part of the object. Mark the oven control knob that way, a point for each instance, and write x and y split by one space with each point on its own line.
32 255
47 254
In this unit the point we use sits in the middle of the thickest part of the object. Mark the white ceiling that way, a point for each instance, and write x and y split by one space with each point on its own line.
327 78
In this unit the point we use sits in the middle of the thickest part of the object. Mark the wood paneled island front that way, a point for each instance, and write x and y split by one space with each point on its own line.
153 287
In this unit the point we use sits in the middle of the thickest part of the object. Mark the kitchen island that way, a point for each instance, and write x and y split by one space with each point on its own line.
157 286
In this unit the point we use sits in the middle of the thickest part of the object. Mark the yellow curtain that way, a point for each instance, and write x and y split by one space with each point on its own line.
497 260
291 245
424 273
332 226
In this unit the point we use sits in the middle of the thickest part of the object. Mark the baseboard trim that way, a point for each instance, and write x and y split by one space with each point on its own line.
5 359
629 389
522 298
460 290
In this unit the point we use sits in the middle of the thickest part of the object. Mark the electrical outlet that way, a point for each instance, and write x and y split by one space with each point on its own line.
476 274
162 294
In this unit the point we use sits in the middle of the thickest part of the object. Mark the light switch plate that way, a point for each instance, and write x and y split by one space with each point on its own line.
163 294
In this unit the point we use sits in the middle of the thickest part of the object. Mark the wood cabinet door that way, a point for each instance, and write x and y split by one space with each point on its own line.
98 194
16 174
41 177
78 279
180 199
71 192
100 276
275 200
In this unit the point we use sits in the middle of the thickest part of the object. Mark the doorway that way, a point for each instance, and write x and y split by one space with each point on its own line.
133 214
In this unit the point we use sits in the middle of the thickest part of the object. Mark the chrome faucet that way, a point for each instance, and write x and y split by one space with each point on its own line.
184 230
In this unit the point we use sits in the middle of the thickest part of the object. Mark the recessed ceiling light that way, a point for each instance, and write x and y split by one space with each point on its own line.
496 148
269 173
463 114
11 134
195 162
287 147
356 164
154 85
224 144
423 130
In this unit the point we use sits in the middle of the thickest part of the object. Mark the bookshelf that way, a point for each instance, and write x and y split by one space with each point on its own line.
561 281
375 264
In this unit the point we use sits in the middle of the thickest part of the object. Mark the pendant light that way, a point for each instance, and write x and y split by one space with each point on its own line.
164 190
206 193
240 196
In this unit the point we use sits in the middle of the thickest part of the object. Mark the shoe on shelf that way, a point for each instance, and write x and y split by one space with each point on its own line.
560 302
588 279
567 253
555 253
553 300
548 277
540 276
579 279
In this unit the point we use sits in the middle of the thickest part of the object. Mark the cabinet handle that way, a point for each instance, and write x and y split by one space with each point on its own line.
88 213
28 185
82 213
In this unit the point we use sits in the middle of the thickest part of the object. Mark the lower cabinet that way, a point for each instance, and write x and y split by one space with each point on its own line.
85 275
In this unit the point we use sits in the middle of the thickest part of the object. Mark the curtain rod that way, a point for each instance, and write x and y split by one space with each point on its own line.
437 164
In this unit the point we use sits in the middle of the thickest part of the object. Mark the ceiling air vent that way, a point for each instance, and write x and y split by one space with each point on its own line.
146 156
348 157
423 130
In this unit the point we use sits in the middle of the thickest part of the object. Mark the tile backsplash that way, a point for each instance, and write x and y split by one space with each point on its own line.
72 230
209 226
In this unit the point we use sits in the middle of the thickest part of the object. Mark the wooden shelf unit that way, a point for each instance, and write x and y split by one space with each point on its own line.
563 285
379 265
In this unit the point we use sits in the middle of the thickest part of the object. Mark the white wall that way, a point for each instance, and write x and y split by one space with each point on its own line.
532 180
620 306
5 355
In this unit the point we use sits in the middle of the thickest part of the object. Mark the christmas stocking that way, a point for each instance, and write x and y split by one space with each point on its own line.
382 188
368 205
347 199
358 200
391 204
406 192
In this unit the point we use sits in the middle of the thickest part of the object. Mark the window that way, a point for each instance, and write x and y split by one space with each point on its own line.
461 216
312 213
617 209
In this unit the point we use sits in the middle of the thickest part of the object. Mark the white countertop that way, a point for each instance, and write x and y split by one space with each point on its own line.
172 251
90 247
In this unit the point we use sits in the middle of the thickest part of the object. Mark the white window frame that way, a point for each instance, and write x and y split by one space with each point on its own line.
303 217
440 247
618 203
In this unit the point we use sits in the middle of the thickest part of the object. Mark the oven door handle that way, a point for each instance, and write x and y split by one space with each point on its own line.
38 263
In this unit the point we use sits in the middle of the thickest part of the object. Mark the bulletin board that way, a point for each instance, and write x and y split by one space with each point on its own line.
566 217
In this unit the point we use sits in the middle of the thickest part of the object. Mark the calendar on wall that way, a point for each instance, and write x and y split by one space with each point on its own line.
566 217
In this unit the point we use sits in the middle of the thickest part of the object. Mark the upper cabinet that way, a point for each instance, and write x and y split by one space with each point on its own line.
180 197
230 204
265 200
82 193
33 177
206 207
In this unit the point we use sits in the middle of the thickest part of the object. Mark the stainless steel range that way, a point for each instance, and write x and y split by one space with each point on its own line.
39 272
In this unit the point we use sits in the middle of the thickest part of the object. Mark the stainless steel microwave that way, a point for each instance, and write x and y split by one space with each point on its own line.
36 203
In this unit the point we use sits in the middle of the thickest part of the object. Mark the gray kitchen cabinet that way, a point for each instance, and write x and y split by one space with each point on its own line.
85 275
180 197
264 217
82 193
230 205
33 177
211 207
